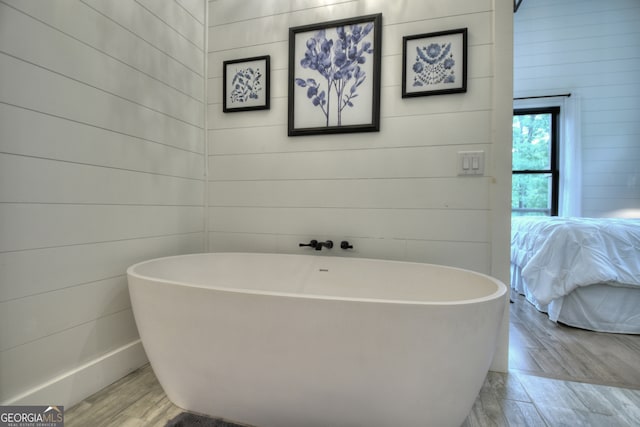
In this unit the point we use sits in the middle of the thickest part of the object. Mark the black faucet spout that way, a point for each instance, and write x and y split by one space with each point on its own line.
328 244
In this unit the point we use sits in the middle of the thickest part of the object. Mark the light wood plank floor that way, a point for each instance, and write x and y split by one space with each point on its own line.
540 347
559 376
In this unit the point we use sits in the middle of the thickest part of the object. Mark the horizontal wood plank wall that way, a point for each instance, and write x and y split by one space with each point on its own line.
591 50
102 164
394 194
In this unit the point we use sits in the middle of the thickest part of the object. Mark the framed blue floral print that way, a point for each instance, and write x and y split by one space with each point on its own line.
334 76
434 63
245 84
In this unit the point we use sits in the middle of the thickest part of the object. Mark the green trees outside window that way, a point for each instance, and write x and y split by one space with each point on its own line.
535 162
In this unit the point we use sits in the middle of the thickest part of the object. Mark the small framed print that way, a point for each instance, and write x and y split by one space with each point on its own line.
434 63
245 84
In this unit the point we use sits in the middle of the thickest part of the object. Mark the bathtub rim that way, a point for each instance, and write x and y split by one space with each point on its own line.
501 291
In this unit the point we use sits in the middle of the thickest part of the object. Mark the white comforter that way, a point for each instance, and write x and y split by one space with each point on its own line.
557 255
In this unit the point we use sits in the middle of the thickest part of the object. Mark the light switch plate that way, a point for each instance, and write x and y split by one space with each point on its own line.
470 163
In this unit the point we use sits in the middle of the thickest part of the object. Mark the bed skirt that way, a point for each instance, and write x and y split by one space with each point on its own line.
600 307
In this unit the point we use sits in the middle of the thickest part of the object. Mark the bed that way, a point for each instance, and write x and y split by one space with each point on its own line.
583 272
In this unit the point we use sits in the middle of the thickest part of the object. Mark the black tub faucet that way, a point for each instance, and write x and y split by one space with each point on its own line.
328 244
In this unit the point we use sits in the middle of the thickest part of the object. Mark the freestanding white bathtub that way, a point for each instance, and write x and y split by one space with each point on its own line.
276 340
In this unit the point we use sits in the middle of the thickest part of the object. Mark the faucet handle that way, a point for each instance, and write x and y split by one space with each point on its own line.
345 245
312 243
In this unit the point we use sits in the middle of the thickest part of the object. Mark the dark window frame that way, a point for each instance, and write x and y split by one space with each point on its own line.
555 150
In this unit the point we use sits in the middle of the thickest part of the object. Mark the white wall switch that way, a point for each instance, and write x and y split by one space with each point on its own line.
470 163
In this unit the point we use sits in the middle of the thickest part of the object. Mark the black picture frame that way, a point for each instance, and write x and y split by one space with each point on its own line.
246 84
334 76
434 63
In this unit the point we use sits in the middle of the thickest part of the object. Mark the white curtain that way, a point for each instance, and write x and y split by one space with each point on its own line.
570 197
570 203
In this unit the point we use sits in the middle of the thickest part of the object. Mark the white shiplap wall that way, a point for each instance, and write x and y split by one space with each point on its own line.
590 49
394 194
101 165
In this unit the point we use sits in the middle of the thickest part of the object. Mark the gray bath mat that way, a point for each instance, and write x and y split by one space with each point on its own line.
186 419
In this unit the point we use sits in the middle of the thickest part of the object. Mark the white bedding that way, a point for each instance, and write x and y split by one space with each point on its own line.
556 255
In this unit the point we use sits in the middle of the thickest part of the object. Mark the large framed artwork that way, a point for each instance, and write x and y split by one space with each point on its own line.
434 63
334 76
245 84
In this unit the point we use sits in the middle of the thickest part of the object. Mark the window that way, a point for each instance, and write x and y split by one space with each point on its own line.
536 175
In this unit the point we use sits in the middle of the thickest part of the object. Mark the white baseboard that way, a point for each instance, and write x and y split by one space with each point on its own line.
73 386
